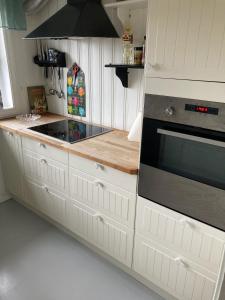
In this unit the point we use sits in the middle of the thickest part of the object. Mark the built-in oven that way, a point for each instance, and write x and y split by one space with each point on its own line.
182 164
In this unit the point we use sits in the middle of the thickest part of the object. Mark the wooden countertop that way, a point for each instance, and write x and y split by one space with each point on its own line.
111 149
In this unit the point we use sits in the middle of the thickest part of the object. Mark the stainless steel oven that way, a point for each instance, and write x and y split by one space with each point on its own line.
182 163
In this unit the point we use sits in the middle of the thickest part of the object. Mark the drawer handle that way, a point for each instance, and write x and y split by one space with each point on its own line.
188 222
99 166
182 262
43 161
42 145
99 184
45 188
99 217
10 133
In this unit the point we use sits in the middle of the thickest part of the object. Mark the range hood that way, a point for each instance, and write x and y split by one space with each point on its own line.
78 18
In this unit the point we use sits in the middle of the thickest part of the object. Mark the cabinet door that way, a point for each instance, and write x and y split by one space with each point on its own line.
11 154
186 40
97 229
175 274
45 200
103 196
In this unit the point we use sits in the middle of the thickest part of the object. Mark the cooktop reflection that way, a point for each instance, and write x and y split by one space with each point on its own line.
69 130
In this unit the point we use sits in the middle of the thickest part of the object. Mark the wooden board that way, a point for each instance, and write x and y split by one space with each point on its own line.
111 149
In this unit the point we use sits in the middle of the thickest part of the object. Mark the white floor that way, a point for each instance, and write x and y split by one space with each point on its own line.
39 262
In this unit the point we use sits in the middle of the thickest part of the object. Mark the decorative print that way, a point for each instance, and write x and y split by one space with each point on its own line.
76 91
37 99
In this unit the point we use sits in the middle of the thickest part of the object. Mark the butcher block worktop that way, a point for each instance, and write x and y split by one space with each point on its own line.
111 149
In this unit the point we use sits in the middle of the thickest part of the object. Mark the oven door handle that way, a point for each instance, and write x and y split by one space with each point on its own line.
191 137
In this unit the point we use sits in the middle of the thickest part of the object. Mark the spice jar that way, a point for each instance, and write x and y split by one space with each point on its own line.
138 51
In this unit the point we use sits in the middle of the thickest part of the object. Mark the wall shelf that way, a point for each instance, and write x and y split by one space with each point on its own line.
122 71
130 4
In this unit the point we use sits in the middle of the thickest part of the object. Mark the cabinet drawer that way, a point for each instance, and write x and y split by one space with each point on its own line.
45 170
45 149
106 198
197 241
121 179
175 274
45 200
112 238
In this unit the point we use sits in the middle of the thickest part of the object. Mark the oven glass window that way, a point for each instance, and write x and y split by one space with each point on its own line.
192 159
186 151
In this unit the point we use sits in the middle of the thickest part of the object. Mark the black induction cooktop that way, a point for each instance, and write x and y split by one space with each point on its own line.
69 130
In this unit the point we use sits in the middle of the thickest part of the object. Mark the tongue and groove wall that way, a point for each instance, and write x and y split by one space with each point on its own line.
108 103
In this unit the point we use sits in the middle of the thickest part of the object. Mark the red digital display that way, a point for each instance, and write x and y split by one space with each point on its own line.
202 109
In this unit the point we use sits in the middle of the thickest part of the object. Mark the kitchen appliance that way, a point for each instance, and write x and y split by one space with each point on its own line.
70 131
182 164
77 18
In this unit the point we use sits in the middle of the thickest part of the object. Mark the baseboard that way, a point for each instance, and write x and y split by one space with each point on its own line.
98 251
4 197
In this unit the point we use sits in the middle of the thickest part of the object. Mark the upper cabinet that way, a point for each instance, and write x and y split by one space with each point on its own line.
186 39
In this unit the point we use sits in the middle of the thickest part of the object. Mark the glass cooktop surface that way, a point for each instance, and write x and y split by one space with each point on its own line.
69 130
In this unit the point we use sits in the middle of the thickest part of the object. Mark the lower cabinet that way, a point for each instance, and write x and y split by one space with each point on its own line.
178 276
108 235
45 200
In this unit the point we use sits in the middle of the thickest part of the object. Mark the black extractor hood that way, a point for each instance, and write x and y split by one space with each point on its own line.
78 18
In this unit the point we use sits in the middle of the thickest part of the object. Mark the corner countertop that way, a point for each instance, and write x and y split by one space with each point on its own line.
111 149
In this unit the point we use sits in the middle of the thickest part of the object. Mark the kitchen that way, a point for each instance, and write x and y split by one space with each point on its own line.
121 183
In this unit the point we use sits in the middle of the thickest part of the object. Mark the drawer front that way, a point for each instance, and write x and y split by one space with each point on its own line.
45 150
171 272
45 170
197 241
104 197
121 179
45 200
97 229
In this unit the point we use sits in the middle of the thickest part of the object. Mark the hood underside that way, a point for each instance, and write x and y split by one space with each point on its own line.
78 18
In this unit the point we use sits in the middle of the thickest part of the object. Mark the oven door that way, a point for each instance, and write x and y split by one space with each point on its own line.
183 168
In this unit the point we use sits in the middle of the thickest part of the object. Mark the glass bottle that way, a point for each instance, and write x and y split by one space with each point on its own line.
127 37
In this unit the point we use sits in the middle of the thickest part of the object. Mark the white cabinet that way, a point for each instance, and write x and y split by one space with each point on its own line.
173 273
186 40
45 170
108 199
195 240
46 200
11 157
111 237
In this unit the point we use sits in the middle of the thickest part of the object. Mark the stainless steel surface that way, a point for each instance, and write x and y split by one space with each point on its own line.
191 137
155 107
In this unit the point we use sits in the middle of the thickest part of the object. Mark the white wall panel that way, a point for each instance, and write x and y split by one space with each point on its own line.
108 103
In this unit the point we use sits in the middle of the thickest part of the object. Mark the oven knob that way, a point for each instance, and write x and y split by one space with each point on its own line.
169 111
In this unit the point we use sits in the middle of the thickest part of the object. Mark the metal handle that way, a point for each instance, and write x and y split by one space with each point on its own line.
45 188
188 222
43 161
99 184
99 217
42 145
10 133
191 137
182 262
99 166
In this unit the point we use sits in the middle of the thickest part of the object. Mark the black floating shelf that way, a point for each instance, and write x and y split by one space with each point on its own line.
122 71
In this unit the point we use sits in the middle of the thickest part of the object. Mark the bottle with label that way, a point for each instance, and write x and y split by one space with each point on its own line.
127 37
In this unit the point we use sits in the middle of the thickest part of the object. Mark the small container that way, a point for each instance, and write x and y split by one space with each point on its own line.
138 52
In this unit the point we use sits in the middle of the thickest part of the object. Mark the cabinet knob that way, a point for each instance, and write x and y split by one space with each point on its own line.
99 166
10 133
43 161
99 217
188 222
169 111
45 188
42 145
181 261
98 183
